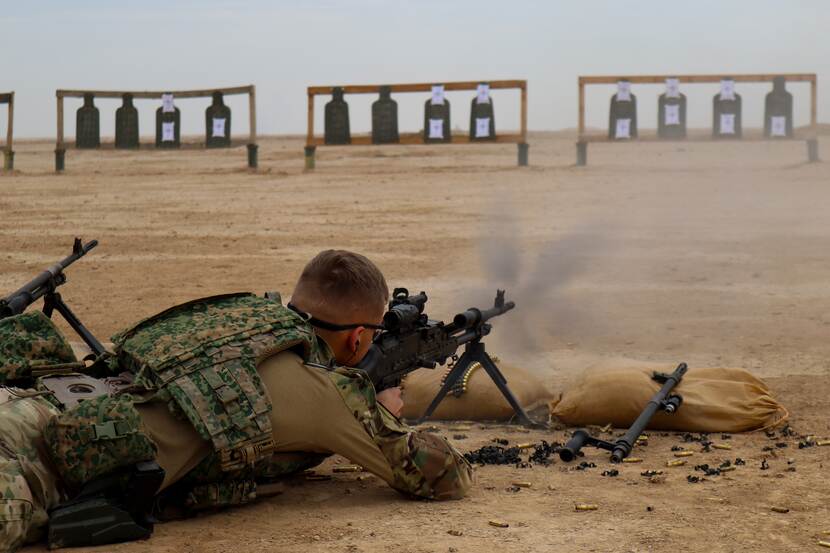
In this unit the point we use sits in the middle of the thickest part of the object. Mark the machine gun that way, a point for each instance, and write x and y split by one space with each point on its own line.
620 449
45 285
410 340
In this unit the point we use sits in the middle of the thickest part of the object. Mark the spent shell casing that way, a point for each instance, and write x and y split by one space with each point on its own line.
729 469
824 543
526 445
522 484
823 443
675 463
585 507
498 523
317 477
684 453
722 446
633 460
777 509
605 428
347 468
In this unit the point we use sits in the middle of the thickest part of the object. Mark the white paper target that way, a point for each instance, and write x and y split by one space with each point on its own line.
672 114
778 125
436 128
168 132
623 91
437 94
483 94
623 129
482 127
727 123
727 89
672 88
167 103
218 126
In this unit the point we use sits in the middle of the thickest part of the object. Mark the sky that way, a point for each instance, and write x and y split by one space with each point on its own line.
284 46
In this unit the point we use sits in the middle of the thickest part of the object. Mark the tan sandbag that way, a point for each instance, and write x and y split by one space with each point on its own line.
481 401
714 399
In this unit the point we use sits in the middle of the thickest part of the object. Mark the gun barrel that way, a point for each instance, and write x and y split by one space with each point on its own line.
473 316
17 302
625 444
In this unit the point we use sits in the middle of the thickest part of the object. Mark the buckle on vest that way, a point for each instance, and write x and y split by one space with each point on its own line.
245 455
111 430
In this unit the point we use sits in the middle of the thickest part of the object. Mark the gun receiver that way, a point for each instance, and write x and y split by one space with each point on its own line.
45 286
411 340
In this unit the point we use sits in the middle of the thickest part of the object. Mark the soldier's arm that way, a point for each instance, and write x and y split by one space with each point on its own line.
337 412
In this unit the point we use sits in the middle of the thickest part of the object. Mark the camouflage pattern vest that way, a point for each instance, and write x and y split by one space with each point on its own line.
201 357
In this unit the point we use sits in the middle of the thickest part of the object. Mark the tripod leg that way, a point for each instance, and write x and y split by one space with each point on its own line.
456 373
501 383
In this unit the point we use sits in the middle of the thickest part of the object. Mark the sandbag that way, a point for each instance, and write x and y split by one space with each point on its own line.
481 400
714 399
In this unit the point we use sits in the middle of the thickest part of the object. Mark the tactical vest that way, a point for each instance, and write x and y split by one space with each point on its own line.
202 356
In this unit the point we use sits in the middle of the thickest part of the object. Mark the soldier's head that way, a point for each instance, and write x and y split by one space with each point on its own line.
343 288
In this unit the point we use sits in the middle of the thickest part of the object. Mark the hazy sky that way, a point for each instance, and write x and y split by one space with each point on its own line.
284 46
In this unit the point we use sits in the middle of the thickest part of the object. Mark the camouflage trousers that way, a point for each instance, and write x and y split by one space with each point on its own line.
29 488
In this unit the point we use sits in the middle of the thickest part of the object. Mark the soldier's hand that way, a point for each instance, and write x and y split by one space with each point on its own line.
392 400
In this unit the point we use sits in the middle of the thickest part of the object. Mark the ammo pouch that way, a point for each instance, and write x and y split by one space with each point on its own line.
31 345
201 357
100 450
96 437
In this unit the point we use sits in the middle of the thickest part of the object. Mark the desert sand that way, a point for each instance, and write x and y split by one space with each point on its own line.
713 254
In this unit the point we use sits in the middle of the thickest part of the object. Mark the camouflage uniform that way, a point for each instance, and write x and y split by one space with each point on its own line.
201 360
28 483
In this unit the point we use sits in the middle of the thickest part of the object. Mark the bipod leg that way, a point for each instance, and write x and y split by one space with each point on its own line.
54 301
457 371
501 383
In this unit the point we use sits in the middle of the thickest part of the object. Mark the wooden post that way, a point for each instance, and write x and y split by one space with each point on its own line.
10 128
60 149
252 115
814 104
310 131
8 152
581 108
310 149
524 112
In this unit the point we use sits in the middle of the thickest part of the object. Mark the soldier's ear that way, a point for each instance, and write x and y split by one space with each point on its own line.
353 340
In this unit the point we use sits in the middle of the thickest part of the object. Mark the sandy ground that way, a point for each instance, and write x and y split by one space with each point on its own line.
714 254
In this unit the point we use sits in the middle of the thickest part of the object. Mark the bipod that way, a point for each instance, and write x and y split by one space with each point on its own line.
474 352
52 300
